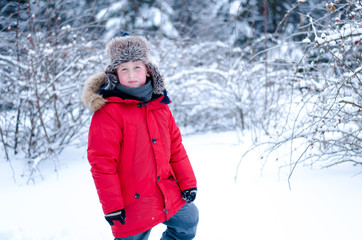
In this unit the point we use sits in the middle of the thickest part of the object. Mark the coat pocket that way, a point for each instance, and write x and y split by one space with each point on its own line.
172 174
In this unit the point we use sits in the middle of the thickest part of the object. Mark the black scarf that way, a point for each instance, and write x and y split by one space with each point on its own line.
142 93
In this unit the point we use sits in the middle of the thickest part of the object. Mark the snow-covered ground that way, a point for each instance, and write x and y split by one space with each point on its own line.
322 204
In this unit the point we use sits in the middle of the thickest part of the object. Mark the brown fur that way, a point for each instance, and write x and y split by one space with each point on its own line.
95 101
90 97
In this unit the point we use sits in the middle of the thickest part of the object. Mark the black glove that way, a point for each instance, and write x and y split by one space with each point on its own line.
116 216
189 194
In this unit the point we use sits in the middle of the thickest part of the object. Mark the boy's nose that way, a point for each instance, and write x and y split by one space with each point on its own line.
131 73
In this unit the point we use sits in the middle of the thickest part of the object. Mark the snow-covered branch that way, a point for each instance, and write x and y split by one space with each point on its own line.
14 62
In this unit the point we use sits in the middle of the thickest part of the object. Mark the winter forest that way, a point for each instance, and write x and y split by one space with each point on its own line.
287 75
289 70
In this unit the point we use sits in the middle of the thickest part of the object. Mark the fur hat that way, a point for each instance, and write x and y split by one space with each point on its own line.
128 48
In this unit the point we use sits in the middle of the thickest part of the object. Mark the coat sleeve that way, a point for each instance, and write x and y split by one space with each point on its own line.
103 155
179 161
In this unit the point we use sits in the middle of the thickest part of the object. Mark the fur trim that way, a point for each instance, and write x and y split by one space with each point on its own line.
158 82
94 101
90 97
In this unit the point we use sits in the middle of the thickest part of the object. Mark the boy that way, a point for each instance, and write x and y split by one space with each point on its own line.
140 168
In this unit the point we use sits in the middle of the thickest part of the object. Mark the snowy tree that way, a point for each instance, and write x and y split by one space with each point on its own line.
138 17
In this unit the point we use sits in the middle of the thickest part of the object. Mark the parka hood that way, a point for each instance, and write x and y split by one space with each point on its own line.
90 96
95 101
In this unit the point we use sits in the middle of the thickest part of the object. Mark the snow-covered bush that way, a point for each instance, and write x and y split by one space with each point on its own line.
197 76
331 81
41 80
322 114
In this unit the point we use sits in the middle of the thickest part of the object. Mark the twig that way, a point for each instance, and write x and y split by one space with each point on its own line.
5 148
353 104
6 152
10 60
295 164
56 78
286 16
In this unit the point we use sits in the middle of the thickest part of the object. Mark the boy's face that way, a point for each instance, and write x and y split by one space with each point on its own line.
132 74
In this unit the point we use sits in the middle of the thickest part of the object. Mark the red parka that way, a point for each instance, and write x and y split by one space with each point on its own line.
138 163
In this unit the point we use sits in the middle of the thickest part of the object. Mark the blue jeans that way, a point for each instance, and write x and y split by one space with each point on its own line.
181 226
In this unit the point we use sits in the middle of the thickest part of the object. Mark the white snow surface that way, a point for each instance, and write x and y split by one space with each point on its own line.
322 203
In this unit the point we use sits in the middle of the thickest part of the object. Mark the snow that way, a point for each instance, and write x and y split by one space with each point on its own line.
322 203
234 8
113 8
157 16
14 62
306 40
346 99
357 70
346 32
